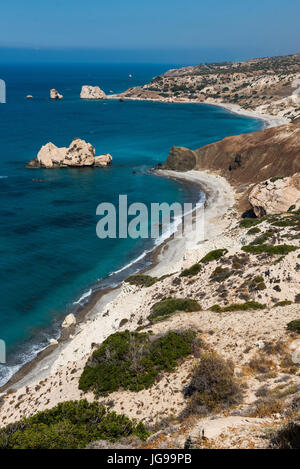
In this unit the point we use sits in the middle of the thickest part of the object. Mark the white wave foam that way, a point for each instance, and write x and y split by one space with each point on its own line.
83 297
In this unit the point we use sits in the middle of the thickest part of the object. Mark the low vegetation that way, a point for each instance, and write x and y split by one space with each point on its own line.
165 308
280 249
250 222
133 361
254 305
194 270
69 425
142 280
214 255
294 326
212 387
283 303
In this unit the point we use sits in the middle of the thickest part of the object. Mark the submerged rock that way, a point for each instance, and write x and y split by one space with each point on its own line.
79 154
54 94
276 195
92 92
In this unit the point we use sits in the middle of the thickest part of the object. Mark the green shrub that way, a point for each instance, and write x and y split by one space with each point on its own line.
165 308
263 237
294 326
267 249
194 270
214 255
212 386
253 231
257 284
238 307
133 361
141 280
69 425
220 274
249 222
283 303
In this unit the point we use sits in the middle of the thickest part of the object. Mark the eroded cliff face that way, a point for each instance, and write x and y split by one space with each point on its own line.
247 158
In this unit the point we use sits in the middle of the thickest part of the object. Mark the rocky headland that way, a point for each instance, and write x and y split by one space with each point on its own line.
78 154
264 86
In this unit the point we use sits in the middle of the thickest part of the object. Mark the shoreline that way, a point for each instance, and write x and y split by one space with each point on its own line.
171 255
174 251
268 119
38 367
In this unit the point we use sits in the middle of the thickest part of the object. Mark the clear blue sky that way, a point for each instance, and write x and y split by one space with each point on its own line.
159 27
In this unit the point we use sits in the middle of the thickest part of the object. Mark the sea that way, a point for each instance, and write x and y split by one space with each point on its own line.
51 260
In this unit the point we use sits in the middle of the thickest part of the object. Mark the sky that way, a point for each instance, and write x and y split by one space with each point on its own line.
156 30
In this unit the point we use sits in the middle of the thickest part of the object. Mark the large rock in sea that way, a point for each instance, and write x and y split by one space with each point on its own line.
79 154
276 195
54 94
92 92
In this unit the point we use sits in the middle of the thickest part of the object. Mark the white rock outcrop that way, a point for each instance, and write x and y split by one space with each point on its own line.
54 94
92 92
50 155
275 195
69 321
78 154
103 160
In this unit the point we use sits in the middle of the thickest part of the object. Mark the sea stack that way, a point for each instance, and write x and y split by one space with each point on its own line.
78 154
92 92
54 94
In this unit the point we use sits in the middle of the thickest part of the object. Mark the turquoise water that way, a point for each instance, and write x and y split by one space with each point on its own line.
50 255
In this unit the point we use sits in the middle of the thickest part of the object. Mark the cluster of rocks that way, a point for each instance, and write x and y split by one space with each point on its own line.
78 154
87 92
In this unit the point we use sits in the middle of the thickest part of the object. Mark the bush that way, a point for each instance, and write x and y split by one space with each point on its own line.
69 425
194 270
294 326
165 308
132 360
266 407
220 274
249 222
238 307
214 255
213 386
141 280
265 248
254 231
283 303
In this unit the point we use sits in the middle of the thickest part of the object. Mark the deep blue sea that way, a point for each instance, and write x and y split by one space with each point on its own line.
50 256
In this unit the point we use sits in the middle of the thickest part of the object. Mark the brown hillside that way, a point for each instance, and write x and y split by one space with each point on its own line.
247 158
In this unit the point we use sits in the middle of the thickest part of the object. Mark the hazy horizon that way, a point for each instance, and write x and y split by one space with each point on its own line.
161 32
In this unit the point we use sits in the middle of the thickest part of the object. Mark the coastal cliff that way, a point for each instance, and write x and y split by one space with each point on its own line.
244 159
